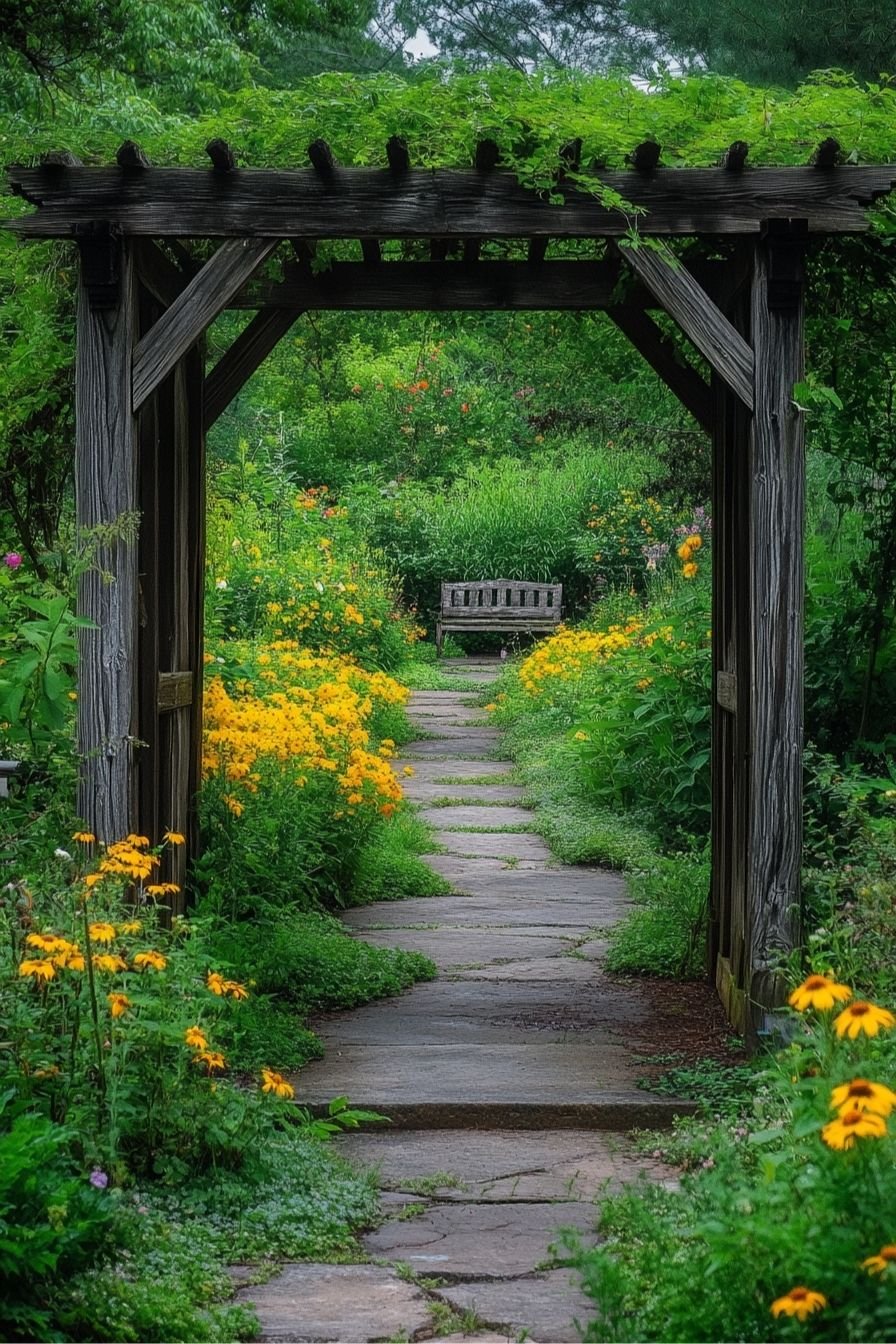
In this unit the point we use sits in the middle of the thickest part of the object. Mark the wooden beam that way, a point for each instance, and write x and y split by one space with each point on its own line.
735 156
370 202
487 156
370 250
131 157
700 319
222 156
106 496
57 159
444 286
199 304
174 691
645 157
322 160
777 578
828 154
397 155
161 277
537 249
678 375
244 356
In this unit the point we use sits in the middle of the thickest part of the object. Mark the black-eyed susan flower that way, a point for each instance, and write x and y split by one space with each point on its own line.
864 1095
151 960
276 1083
800 1302
105 961
851 1125
84 837
876 1264
215 982
102 932
131 927
689 570
212 1059
37 968
234 990
138 841
175 838
862 1018
819 991
195 1038
119 1004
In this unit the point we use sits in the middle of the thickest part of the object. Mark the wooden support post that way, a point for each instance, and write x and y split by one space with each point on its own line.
106 495
777 582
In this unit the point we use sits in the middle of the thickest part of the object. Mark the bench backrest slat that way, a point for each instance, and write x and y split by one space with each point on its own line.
481 598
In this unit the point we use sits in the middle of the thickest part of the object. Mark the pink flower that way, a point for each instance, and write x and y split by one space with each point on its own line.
12 559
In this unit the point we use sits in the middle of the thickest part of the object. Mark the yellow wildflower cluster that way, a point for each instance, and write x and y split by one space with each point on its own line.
63 954
570 654
316 722
686 552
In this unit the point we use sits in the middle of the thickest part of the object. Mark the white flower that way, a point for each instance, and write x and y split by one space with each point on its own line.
63 854
221 584
318 585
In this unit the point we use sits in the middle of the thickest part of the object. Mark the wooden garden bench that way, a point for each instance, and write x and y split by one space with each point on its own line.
499 605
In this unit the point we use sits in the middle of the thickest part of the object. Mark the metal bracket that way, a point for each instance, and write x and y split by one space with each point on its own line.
100 266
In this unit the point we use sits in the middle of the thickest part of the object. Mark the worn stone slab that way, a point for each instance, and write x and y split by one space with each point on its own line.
487 876
437 771
459 732
487 911
480 1241
523 1165
540 970
496 845
481 796
549 1306
458 750
450 948
461 815
354 1303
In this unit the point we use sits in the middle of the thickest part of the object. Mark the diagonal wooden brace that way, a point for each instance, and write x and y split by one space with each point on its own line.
250 349
685 300
679 376
181 325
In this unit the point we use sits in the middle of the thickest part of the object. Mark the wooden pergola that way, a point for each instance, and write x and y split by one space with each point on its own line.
144 401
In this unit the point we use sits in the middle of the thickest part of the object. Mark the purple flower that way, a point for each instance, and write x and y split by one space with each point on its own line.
12 559
98 1179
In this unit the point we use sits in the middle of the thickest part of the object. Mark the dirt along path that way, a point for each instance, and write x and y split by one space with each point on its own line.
510 1081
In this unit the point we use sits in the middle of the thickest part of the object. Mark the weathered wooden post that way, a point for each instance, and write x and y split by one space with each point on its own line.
777 507
106 499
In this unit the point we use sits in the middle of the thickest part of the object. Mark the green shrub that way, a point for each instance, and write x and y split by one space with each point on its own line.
53 1221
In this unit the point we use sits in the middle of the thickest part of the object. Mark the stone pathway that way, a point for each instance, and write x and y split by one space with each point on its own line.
510 1081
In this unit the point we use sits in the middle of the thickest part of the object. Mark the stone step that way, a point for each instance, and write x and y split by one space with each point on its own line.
508 845
479 797
459 815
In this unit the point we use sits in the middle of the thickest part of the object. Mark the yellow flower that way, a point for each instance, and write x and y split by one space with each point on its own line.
138 841
131 927
799 1302
213 1059
118 1004
695 542
234 990
861 1017
195 1039
408 770
38 968
104 962
690 570
175 838
581 737
876 1264
215 982
276 1083
853 1124
102 932
84 837
818 991
862 1094
153 959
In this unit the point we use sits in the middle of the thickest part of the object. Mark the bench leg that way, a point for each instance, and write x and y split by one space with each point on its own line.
438 639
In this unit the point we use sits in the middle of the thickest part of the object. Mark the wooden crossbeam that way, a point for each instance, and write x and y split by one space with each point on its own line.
685 300
244 356
440 286
162 278
679 376
377 203
182 324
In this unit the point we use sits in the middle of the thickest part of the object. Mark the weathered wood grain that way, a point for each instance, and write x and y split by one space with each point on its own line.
106 495
701 320
244 356
504 605
679 376
777 509
157 273
375 203
175 690
184 322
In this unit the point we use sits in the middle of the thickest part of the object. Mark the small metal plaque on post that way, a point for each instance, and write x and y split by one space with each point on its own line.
726 691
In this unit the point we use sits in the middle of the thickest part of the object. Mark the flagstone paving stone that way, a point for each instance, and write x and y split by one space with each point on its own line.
510 1081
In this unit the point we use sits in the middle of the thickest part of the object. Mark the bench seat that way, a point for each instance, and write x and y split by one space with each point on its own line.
493 605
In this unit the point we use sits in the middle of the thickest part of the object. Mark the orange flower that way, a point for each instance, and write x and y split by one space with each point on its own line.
276 1083
234 990
212 1059
195 1038
37 968
215 982
151 959
84 837
863 1018
851 1125
863 1095
119 1004
818 991
799 1302
876 1264
175 838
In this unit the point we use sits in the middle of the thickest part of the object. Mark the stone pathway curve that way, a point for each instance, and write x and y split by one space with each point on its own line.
510 1081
